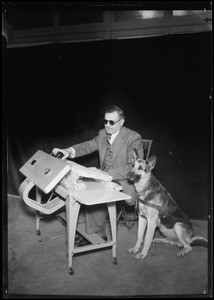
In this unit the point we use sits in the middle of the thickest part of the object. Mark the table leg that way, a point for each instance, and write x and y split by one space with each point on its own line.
38 199
72 212
113 222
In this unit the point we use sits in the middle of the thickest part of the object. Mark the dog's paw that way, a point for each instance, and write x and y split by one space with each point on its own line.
133 250
140 256
180 254
184 251
156 240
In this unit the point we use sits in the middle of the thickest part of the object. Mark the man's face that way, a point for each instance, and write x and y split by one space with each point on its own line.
110 129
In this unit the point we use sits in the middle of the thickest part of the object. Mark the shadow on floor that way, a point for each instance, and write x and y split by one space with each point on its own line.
40 268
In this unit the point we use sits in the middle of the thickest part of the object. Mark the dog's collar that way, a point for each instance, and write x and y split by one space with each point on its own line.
158 207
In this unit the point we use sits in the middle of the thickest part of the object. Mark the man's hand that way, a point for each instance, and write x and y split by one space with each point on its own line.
65 153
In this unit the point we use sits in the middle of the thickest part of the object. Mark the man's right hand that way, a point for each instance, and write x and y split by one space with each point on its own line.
69 152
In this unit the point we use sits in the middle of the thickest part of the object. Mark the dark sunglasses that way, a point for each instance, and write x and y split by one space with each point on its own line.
111 122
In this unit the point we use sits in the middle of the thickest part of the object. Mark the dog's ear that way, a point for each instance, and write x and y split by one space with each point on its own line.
152 162
134 155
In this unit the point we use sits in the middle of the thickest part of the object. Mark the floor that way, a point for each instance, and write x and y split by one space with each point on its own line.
37 268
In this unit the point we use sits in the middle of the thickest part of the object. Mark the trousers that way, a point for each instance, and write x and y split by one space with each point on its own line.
94 217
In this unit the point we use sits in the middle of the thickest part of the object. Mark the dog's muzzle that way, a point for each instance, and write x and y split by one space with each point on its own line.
130 176
133 177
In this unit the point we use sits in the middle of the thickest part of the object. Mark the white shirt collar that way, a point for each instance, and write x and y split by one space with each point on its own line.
113 136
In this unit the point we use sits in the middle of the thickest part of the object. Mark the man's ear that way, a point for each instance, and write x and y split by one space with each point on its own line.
134 155
152 162
122 121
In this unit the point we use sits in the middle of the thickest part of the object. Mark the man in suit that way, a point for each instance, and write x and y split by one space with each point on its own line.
115 144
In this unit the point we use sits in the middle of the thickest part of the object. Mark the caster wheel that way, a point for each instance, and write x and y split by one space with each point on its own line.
71 271
115 261
38 232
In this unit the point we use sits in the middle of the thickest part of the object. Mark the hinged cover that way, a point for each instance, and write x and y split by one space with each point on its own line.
44 170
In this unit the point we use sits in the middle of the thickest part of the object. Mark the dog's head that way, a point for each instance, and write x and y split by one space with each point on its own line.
140 168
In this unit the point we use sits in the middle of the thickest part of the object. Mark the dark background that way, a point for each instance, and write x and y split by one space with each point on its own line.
53 96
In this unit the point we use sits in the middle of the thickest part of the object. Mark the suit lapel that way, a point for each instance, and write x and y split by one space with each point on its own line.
103 150
118 142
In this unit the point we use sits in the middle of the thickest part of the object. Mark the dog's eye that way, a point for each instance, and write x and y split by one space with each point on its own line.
140 168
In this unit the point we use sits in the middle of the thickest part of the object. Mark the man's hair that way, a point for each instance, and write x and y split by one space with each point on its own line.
113 108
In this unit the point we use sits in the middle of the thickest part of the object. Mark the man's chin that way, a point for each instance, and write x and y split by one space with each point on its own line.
108 131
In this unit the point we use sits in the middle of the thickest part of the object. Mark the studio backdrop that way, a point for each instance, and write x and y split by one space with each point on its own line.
53 96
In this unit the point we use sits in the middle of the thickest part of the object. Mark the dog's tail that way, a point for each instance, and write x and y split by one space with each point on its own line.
199 241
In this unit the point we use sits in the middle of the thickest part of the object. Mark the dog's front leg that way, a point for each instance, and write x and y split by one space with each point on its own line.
142 222
148 239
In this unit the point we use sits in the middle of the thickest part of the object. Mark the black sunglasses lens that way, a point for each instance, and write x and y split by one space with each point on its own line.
110 122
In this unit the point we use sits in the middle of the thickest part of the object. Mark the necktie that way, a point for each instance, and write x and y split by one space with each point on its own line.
108 140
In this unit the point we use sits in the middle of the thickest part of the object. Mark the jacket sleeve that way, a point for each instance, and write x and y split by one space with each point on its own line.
120 172
87 147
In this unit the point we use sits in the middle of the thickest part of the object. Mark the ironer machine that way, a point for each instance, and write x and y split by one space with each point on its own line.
52 183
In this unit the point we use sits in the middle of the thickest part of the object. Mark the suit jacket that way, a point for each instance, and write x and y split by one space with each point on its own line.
122 149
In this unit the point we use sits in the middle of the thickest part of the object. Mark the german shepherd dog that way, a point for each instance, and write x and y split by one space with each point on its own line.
156 208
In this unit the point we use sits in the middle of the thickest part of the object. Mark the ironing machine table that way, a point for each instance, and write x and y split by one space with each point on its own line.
95 192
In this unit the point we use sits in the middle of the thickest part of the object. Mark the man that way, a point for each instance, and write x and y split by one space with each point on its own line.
115 144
